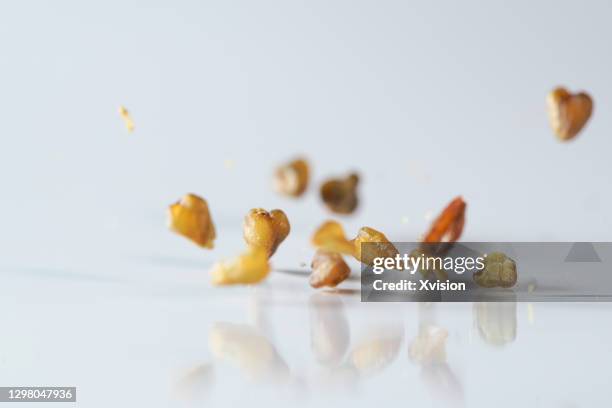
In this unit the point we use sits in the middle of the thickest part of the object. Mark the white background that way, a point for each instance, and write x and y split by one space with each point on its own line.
427 100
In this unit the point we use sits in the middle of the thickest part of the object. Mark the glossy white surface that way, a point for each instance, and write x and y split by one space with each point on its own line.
152 331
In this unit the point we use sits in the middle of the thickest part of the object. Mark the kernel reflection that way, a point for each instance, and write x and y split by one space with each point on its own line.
251 351
496 322
428 350
329 329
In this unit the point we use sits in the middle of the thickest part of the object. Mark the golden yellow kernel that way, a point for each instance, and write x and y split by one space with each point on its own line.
265 229
378 246
127 118
340 195
330 236
250 267
292 178
568 113
328 269
191 218
499 271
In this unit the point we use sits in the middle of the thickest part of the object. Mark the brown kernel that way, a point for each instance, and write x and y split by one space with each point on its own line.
449 224
328 269
191 218
340 195
265 229
499 271
292 178
568 113
250 267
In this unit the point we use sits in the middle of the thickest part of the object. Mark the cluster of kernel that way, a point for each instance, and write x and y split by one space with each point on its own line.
264 231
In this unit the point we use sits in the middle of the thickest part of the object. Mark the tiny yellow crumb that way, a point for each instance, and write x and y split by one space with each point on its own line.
405 220
228 164
530 313
125 115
